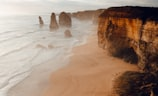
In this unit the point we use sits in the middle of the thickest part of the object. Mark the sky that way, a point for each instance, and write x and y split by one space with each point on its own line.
23 7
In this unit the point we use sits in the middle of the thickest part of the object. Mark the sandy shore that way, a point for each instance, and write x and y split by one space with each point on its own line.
90 72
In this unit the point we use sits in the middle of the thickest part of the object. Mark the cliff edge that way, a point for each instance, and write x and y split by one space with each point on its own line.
131 33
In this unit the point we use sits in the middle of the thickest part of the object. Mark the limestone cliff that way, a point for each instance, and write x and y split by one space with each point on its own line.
131 33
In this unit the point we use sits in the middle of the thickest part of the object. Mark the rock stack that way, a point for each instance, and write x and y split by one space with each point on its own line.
65 20
41 21
53 23
68 33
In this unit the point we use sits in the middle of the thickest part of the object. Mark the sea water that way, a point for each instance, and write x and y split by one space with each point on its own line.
24 45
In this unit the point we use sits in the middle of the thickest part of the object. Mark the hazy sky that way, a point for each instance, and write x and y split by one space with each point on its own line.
8 7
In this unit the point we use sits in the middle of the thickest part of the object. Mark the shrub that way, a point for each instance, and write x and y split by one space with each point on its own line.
135 84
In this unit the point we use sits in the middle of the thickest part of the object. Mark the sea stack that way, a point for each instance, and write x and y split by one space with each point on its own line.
53 23
68 33
65 20
41 21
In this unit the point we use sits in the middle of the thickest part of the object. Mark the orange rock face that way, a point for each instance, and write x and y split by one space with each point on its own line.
123 30
53 23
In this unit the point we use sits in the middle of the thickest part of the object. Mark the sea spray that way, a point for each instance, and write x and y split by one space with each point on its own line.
25 47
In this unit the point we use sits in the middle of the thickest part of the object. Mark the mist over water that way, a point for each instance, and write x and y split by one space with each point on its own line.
25 45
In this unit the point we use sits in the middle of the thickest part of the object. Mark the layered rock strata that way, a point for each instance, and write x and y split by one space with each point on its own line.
131 33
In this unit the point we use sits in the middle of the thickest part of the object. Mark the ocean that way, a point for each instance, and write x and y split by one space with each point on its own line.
24 46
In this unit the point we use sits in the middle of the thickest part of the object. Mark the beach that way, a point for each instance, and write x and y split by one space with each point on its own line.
30 66
90 72
78 48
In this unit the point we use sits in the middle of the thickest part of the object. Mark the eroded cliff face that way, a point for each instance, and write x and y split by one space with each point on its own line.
131 33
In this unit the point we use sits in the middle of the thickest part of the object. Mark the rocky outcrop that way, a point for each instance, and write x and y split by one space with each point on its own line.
41 21
68 33
131 33
53 23
65 20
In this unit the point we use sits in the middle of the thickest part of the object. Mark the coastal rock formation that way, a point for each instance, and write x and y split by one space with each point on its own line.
65 20
68 33
53 23
40 20
131 33
91 15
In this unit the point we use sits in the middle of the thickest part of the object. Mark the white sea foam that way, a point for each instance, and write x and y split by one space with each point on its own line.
23 45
